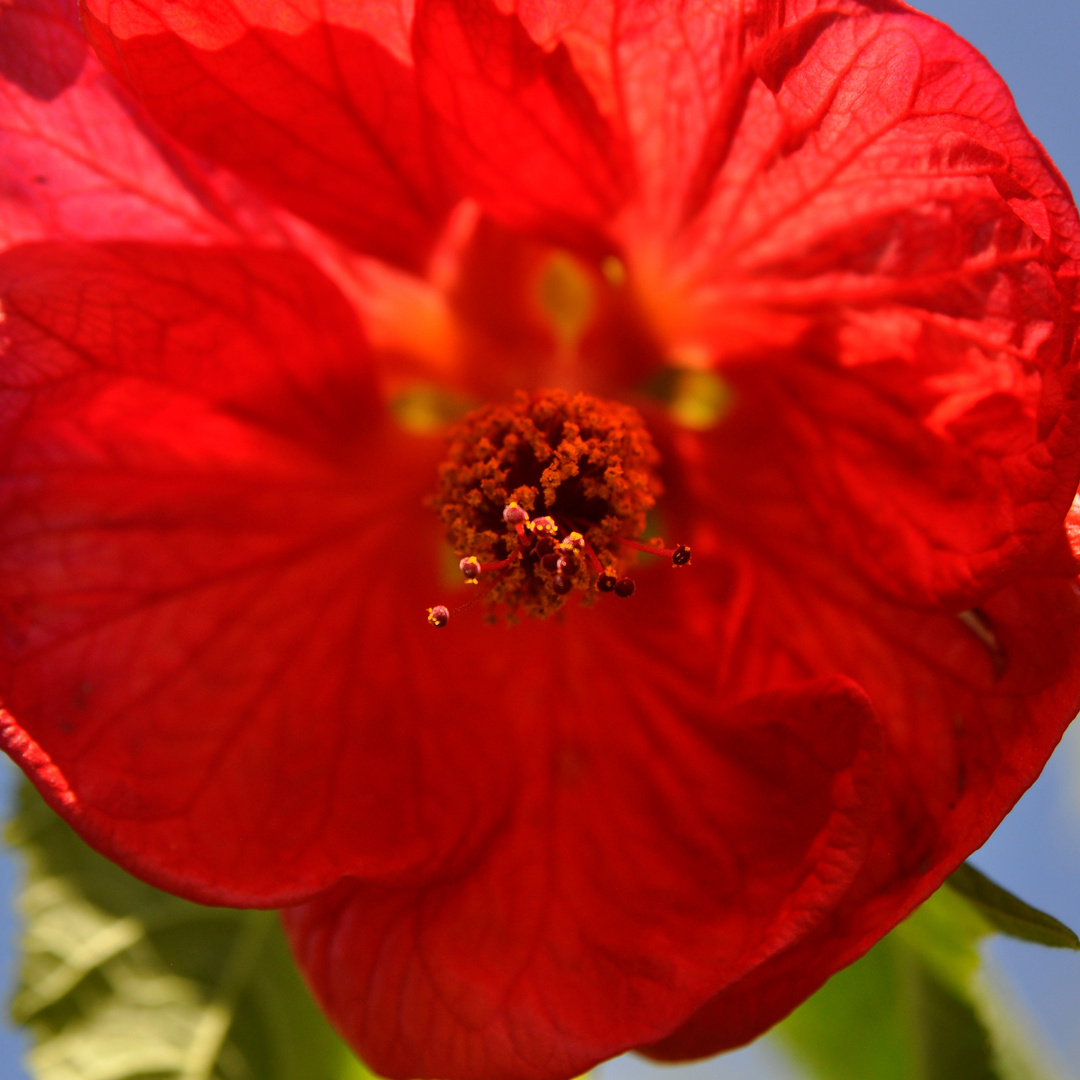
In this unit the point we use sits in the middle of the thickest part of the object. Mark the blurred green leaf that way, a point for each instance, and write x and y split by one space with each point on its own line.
121 981
916 1007
1009 914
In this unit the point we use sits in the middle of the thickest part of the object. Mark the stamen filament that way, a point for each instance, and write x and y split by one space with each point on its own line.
594 562
502 564
656 547
679 554
439 615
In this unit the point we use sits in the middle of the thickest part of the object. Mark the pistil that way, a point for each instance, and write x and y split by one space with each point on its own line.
544 496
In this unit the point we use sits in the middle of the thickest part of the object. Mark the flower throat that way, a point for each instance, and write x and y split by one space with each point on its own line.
545 497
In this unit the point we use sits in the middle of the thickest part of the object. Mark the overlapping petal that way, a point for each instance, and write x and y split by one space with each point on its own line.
318 110
209 539
971 705
955 771
844 191
199 502
941 462
547 956
80 159
880 211
516 125
40 49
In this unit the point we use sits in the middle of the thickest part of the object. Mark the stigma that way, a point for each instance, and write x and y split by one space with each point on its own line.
546 498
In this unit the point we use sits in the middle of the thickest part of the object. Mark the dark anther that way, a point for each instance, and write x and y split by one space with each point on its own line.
681 556
438 616
561 584
470 567
624 587
545 545
606 582
550 561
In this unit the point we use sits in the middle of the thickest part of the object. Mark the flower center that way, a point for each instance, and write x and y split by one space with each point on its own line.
545 497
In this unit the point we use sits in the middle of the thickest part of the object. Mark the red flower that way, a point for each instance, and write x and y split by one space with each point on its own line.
652 822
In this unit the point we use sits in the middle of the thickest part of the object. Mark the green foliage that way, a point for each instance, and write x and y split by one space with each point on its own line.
120 981
123 982
1009 914
917 1006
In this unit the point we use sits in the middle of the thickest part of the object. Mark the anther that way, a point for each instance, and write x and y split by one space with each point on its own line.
514 514
550 561
470 567
574 542
544 525
561 584
438 616
544 546
624 587
679 555
606 582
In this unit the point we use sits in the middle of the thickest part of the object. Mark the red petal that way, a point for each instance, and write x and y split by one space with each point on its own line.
908 267
673 79
765 127
41 50
317 112
972 706
519 130
199 503
848 120
847 196
620 889
212 559
964 748
80 161
939 476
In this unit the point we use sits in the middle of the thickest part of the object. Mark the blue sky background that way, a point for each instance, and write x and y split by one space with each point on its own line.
1036 852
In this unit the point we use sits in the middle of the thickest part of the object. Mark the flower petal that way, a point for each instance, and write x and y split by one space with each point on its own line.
318 111
972 705
198 504
215 664
908 267
874 114
846 195
939 471
80 159
40 50
761 126
961 755
620 889
519 130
